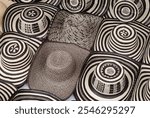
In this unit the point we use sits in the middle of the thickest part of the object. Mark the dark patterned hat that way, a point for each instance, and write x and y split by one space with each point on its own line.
130 10
29 19
33 95
7 90
17 52
124 39
56 68
107 76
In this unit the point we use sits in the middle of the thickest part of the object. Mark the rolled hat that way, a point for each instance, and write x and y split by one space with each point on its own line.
107 76
130 10
32 19
56 68
79 29
75 6
17 52
7 90
142 88
121 38
33 95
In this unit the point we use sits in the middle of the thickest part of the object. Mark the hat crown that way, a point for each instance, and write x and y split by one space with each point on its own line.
60 65
109 78
32 21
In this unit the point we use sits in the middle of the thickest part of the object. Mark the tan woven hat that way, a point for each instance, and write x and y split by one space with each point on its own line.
56 68
79 29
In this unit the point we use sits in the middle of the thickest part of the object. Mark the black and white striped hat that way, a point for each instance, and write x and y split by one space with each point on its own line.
7 90
17 52
33 95
130 10
107 76
124 39
29 19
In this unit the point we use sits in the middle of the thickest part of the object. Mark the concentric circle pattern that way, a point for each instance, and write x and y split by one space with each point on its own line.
33 95
75 6
6 91
17 53
53 2
26 1
120 38
86 92
126 10
99 7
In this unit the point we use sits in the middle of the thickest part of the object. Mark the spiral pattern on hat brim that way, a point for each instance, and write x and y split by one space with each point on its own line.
12 14
141 92
6 91
84 90
143 7
17 53
99 7
52 2
110 38
33 95
75 6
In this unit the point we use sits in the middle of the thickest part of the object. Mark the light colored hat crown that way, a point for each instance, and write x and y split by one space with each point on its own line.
32 21
109 78
60 65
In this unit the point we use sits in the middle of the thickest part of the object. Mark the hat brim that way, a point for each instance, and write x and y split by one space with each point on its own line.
33 44
84 90
40 81
101 42
11 15
138 93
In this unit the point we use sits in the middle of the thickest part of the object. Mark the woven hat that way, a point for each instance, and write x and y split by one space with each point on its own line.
79 29
6 90
129 10
124 39
76 6
17 52
107 76
29 19
56 68
142 88
33 95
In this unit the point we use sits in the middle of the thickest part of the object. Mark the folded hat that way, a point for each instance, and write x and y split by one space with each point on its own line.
130 10
56 68
17 52
142 88
32 19
107 76
6 90
79 29
121 38
33 95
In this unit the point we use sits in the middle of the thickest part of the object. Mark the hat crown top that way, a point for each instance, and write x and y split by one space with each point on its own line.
60 65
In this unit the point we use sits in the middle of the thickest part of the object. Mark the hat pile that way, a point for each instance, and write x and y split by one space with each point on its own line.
94 50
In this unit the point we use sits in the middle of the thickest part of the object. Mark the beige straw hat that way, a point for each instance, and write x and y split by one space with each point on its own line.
56 68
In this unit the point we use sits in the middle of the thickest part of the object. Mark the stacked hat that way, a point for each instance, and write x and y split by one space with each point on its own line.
17 52
31 19
142 88
79 29
130 10
112 69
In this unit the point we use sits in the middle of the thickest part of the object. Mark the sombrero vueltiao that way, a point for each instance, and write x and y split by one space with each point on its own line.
17 52
142 88
56 68
124 39
79 29
33 95
32 19
7 90
107 76
130 10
